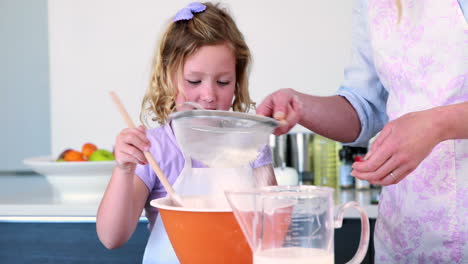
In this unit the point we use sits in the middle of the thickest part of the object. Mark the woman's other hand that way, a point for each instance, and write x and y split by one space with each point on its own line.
399 149
283 105
129 147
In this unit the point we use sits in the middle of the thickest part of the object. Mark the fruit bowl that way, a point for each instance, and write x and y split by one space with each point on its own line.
74 181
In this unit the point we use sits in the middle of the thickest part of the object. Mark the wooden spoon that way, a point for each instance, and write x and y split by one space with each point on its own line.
161 176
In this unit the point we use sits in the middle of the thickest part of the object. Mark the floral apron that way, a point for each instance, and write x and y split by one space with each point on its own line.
422 61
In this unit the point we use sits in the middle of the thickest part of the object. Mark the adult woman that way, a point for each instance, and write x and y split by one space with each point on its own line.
409 76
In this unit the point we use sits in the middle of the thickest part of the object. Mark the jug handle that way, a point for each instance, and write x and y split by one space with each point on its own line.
364 240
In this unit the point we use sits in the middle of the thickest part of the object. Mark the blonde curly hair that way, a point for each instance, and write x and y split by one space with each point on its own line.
182 39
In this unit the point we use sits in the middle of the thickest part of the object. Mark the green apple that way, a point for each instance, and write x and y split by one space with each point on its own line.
101 155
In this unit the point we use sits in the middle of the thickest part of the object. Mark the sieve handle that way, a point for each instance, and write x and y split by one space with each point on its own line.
161 176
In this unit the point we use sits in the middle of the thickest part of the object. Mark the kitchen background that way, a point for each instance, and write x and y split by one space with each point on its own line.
24 82
60 58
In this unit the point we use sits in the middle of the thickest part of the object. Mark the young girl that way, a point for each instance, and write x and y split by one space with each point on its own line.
202 58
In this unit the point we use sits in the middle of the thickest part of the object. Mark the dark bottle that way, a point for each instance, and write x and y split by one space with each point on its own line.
346 158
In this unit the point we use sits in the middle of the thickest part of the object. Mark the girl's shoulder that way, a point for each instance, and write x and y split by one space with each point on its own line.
162 137
160 132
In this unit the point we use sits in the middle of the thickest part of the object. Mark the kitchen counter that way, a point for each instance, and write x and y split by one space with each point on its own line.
29 197
37 226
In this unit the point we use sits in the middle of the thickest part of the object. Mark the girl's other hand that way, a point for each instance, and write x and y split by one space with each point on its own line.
283 105
399 149
129 147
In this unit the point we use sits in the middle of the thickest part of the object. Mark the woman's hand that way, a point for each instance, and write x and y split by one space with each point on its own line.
129 147
283 105
399 149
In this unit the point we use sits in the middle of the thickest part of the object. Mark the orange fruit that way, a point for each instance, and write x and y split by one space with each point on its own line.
73 155
62 155
87 149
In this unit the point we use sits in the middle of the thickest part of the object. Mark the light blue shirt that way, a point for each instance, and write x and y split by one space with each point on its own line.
361 85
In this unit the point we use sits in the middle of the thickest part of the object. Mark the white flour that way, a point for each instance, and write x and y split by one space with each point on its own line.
230 157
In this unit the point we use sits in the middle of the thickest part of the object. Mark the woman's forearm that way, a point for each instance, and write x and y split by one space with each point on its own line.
332 116
451 121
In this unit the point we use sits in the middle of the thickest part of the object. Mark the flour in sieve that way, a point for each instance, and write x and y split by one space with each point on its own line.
232 157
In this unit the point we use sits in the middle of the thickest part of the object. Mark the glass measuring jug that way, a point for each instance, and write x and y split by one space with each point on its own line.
293 224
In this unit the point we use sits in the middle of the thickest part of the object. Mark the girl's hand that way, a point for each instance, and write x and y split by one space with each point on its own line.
283 105
399 149
129 147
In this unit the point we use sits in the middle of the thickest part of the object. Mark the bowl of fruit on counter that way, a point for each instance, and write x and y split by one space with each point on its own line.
76 174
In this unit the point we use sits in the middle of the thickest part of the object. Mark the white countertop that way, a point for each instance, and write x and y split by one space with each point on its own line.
31 198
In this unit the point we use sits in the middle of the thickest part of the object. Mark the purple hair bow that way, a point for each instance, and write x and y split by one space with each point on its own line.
187 12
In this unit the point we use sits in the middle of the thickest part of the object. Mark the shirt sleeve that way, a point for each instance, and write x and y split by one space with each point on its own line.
145 172
264 157
361 85
464 8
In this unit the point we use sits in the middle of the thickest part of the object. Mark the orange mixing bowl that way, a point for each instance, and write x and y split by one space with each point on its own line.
204 236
